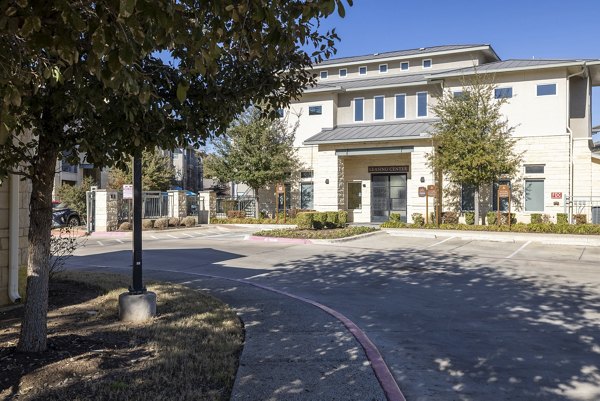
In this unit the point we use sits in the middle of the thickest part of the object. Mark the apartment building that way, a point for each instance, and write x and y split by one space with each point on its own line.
365 130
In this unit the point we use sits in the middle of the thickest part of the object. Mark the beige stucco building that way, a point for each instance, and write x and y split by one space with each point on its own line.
364 132
14 223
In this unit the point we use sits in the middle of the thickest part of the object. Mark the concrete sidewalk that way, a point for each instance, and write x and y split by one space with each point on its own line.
548 239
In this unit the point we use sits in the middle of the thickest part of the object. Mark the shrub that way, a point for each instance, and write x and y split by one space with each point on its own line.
161 223
147 224
449 218
125 226
562 218
319 220
470 218
491 218
189 221
343 218
304 220
580 218
174 221
394 224
395 217
536 218
546 219
236 214
332 219
504 218
418 219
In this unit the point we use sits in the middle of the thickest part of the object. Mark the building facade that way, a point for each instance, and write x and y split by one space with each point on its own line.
365 131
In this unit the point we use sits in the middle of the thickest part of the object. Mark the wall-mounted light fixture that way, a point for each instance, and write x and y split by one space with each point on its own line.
422 179
326 180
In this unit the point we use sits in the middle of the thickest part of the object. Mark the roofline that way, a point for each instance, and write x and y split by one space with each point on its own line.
388 86
472 70
330 89
392 58
388 139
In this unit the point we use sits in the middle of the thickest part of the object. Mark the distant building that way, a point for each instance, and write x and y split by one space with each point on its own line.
188 168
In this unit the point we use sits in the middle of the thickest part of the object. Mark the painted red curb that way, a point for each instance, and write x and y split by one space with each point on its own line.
380 368
279 239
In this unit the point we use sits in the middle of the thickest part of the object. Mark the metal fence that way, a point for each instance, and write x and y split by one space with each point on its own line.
589 205
239 203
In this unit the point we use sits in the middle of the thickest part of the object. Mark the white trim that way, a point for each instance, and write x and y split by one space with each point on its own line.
366 70
386 68
375 108
426 104
413 55
471 71
396 106
354 109
546 84
407 63
326 74
340 73
423 63
363 88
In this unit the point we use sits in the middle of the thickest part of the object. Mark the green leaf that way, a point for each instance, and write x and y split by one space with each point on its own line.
182 89
126 8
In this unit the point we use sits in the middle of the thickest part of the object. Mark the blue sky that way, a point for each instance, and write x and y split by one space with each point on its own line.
515 29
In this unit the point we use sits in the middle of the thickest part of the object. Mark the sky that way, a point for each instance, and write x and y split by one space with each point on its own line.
516 29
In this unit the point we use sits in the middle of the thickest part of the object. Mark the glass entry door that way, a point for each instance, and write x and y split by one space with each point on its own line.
388 195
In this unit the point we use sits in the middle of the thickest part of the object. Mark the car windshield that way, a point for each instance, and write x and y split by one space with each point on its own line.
61 205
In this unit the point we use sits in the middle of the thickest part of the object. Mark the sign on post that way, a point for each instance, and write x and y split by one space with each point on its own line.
431 191
127 191
422 192
503 191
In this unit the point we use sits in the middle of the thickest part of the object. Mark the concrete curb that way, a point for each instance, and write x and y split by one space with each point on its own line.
345 239
546 239
382 372
257 238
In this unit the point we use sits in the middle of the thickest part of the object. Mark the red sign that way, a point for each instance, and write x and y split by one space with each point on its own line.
556 195
431 191
422 192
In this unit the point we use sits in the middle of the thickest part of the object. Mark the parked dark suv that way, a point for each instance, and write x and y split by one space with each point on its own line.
63 216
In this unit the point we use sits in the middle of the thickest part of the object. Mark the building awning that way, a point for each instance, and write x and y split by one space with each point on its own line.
372 132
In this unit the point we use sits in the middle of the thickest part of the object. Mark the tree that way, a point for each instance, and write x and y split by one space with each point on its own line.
159 173
86 78
256 151
473 141
75 195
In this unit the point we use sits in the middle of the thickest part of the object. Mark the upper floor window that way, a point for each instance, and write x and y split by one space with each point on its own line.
343 72
457 94
421 104
279 113
315 110
503 93
383 68
546 90
404 66
379 107
324 74
534 169
427 63
362 70
359 104
401 106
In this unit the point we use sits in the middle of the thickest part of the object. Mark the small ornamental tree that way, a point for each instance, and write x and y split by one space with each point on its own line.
84 77
473 141
256 151
158 173
75 195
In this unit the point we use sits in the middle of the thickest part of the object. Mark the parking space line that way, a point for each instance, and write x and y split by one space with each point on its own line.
518 250
119 241
188 235
154 236
172 236
441 242
100 243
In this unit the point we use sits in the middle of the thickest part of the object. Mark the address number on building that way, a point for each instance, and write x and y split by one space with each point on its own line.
556 195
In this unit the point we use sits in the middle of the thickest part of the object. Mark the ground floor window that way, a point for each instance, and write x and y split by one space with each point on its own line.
354 195
467 198
534 195
503 201
306 195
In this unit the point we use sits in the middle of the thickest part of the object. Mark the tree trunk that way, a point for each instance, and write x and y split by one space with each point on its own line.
476 201
256 204
34 326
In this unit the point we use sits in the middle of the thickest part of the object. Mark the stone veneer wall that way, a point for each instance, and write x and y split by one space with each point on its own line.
24 188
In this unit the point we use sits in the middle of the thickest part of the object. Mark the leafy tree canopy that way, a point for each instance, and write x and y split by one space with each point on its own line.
158 173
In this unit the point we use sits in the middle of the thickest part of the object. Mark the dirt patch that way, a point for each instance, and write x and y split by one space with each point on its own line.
93 356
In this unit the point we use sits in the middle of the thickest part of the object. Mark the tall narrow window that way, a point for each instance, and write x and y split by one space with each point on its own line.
467 198
359 109
306 195
534 195
379 106
503 201
354 195
421 104
401 106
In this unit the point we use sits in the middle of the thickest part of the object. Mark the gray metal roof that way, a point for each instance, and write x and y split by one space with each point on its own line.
371 132
402 53
506 65
393 80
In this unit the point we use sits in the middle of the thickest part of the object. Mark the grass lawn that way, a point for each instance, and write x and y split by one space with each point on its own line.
330 233
190 351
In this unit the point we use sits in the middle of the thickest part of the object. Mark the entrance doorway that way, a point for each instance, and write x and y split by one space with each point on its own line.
388 195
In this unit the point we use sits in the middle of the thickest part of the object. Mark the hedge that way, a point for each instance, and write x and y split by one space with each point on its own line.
552 228
321 220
